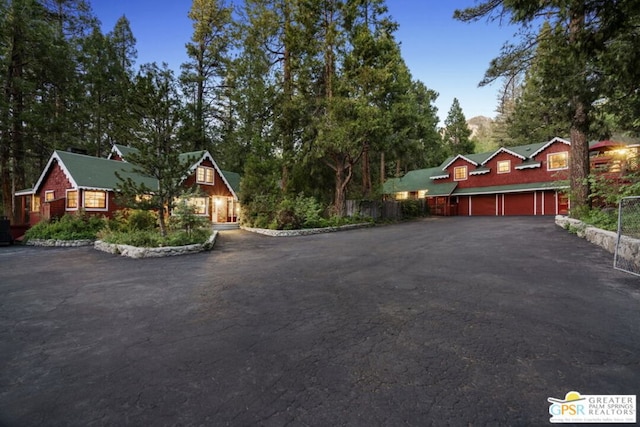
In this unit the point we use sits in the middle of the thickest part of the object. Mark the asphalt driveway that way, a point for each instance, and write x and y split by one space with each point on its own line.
443 321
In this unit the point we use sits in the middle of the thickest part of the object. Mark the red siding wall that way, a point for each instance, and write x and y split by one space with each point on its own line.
522 176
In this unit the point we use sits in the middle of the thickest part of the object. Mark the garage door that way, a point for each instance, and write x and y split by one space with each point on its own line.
483 204
518 204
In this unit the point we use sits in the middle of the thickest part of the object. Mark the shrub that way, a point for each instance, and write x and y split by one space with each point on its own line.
76 226
411 208
153 239
606 219
134 220
184 218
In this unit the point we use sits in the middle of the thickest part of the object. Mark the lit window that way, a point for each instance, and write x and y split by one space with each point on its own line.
35 203
49 195
460 173
95 199
504 166
204 175
402 195
72 199
199 204
557 161
422 194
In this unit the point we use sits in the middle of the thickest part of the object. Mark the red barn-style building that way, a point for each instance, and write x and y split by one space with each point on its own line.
523 180
72 182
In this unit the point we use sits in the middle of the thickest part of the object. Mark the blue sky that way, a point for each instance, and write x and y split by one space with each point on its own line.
448 56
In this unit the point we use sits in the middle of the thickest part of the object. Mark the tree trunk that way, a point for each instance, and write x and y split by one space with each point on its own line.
579 159
366 173
382 169
340 196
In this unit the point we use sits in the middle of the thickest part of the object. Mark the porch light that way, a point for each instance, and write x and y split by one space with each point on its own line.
218 202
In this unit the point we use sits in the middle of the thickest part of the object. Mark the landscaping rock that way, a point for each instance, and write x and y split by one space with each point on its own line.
137 252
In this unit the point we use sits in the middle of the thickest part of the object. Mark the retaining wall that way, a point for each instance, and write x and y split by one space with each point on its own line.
137 252
628 250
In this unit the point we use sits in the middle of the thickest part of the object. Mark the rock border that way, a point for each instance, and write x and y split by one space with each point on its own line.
56 243
306 231
629 249
138 252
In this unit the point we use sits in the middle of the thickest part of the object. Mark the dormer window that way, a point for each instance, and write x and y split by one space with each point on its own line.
460 173
558 161
504 166
204 175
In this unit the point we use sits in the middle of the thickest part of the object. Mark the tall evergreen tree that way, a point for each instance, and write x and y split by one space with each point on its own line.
203 76
158 110
457 135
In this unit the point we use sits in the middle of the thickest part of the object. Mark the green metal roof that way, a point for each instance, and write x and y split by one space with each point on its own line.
125 150
418 180
99 173
233 179
514 188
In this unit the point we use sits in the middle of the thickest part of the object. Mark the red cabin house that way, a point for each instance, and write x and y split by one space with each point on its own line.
523 180
72 182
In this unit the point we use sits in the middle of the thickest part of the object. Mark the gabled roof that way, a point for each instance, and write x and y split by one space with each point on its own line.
466 157
96 173
544 146
88 172
503 150
201 156
121 150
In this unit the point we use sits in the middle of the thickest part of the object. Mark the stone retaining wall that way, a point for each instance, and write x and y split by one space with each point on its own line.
50 243
306 231
629 247
137 252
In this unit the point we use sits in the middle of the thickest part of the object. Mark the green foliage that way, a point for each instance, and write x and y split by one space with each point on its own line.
185 219
153 239
412 208
606 219
457 135
298 212
68 227
131 220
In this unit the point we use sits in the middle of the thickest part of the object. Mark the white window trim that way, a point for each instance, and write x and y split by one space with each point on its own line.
566 153
46 193
213 175
206 206
466 173
66 198
503 161
106 201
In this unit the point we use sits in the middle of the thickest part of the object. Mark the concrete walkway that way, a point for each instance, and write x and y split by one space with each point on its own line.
443 321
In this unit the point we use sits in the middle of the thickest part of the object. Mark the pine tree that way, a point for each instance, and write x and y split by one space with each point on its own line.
203 76
158 111
457 133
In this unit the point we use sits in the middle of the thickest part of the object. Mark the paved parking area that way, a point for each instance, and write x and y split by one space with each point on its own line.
443 321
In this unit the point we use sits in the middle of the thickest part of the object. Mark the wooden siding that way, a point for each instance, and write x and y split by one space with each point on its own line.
515 176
